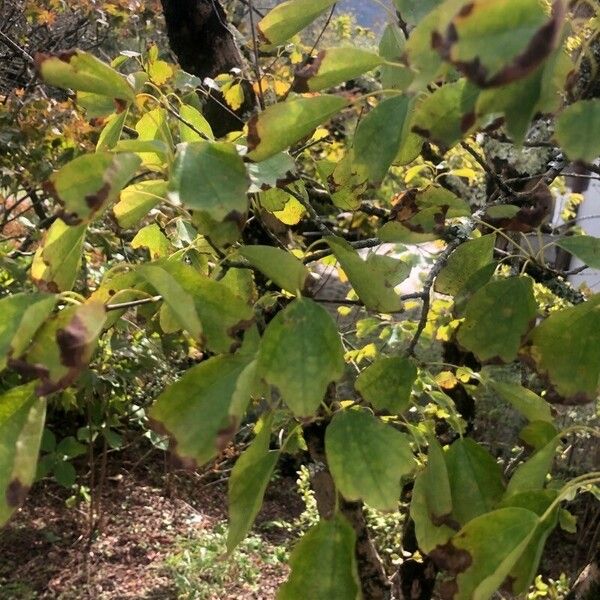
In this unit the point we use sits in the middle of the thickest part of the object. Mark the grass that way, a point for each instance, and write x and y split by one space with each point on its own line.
201 569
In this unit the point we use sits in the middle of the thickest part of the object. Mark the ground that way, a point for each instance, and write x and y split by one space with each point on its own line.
162 536
147 544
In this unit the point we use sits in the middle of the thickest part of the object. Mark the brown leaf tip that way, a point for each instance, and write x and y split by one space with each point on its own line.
16 493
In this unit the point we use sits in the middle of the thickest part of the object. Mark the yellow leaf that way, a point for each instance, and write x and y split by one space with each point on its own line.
296 57
234 96
446 380
292 213
160 72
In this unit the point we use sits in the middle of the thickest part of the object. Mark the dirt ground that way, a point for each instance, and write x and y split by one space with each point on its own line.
46 550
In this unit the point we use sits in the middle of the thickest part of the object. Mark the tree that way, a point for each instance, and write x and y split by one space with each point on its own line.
226 238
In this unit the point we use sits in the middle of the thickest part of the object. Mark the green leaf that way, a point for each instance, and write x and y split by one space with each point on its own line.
392 47
387 383
57 260
422 57
528 403
301 354
62 347
154 137
180 302
247 484
429 531
22 417
412 11
565 348
481 555
475 480
194 117
578 130
538 433
272 172
21 315
65 474
194 411
540 91
334 66
448 115
138 200
531 475
522 574
281 267
223 314
283 124
88 185
495 42
97 106
438 493
497 318
374 279
83 72
379 138
111 133
210 177
584 247
323 564
154 239
288 18
464 262
367 458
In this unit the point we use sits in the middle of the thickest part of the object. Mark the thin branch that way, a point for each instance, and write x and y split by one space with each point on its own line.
133 303
427 289
490 172
256 64
368 243
311 211
15 47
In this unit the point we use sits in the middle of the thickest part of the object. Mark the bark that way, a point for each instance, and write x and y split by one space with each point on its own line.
414 580
205 46
587 585
373 579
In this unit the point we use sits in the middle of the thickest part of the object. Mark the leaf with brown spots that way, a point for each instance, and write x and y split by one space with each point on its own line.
194 411
88 185
334 66
56 262
22 417
565 349
21 315
83 72
282 125
495 42
448 115
223 315
63 347
481 555
420 215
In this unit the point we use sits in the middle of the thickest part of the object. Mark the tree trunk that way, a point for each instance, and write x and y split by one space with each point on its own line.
373 579
414 580
205 46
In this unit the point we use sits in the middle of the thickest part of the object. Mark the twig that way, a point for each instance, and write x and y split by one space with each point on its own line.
133 303
256 64
311 211
491 173
368 243
427 288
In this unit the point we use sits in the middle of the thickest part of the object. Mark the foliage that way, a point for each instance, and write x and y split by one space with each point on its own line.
214 248
199 568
